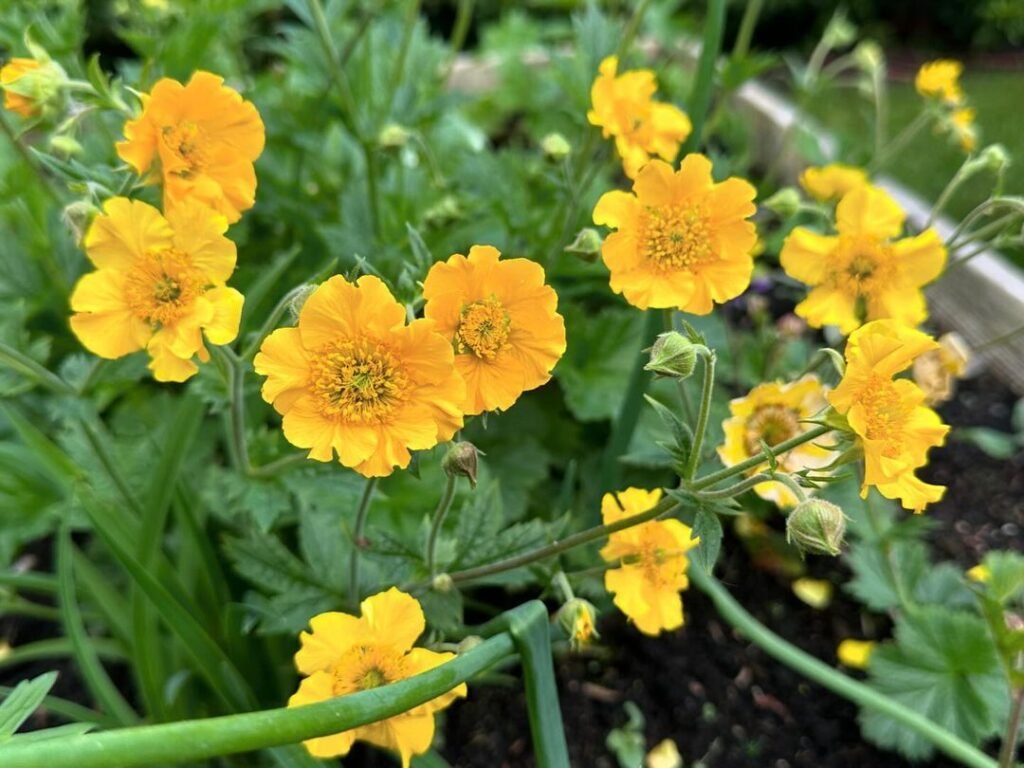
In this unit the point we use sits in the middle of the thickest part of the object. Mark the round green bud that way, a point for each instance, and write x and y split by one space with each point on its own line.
555 146
586 245
672 355
816 527
461 461
442 583
393 136
785 202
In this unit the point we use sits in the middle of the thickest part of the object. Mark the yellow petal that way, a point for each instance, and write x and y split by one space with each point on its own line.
125 230
283 360
227 315
616 209
869 210
805 255
921 258
395 616
199 232
109 334
339 308
817 593
333 633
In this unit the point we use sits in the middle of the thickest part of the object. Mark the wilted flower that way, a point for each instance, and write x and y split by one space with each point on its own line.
937 370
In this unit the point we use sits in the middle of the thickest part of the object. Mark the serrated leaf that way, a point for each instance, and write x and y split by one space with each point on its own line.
872 583
266 563
22 702
708 528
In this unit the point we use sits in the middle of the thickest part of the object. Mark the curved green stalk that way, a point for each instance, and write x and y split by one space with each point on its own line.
357 539
439 515
830 678
26 366
706 393
194 740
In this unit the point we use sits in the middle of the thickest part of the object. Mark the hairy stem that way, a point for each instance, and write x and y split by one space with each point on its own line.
357 539
438 521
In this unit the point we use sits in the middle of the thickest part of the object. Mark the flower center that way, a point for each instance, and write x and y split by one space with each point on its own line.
358 381
676 237
186 141
863 266
772 424
483 328
161 286
661 566
885 413
363 667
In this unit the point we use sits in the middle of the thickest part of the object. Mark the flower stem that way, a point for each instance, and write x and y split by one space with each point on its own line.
724 474
706 393
26 366
736 489
435 528
463 18
632 27
235 371
277 465
746 32
700 96
790 482
897 144
1009 747
357 539
830 678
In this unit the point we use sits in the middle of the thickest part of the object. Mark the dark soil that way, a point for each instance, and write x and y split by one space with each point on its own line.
725 702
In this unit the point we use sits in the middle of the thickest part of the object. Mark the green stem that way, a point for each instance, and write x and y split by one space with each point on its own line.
337 71
235 371
700 96
26 366
44 181
195 740
962 173
885 550
706 393
1009 747
357 539
758 459
463 18
632 27
790 482
438 521
736 489
30 581
746 31
830 678
372 190
901 139
277 465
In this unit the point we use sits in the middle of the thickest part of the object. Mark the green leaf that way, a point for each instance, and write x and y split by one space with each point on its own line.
22 702
59 732
943 665
872 583
1005 583
443 610
998 445
708 528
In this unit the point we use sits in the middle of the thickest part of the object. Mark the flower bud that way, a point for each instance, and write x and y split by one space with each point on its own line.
869 57
298 300
994 157
33 86
587 244
577 618
66 145
816 527
840 32
785 202
393 136
444 211
442 582
555 146
461 461
672 355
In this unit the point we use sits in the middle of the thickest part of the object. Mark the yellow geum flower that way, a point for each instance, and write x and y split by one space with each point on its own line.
345 654
202 138
159 285
936 372
623 107
28 84
940 79
888 416
772 413
683 241
961 126
831 182
855 653
653 562
863 273
502 320
980 573
353 378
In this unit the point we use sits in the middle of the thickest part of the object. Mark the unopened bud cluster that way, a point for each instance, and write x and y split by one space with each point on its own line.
816 527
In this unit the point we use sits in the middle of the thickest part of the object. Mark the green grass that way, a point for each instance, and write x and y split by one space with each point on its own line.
927 165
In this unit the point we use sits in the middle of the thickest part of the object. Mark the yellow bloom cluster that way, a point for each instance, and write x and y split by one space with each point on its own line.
939 81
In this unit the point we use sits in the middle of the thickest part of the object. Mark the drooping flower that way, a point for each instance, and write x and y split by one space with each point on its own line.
855 653
502 320
683 241
159 285
962 128
30 84
652 562
936 372
353 379
346 654
887 415
623 107
831 182
772 413
864 273
940 79
201 139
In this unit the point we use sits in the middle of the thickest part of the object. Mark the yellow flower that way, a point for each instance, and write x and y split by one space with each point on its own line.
682 241
936 371
855 653
940 79
653 562
159 285
501 319
962 128
863 273
831 182
345 654
888 416
29 83
353 378
772 413
203 137
642 127
980 573
815 592
664 755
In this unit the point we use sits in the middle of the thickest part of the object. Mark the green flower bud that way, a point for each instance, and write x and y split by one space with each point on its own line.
587 244
869 56
994 157
785 202
442 583
393 136
461 461
66 145
555 146
816 527
840 32
578 618
672 355
444 211
298 300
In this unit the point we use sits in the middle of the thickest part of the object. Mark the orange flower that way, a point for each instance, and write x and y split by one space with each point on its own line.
203 137
502 321
353 378
642 127
683 240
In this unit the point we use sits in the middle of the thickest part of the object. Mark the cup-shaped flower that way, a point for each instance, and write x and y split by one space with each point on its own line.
863 273
887 415
769 414
501 319
353 379
831 182
940 79
652 562
30 85
159 285
346 654
201 139
683 240
623 107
